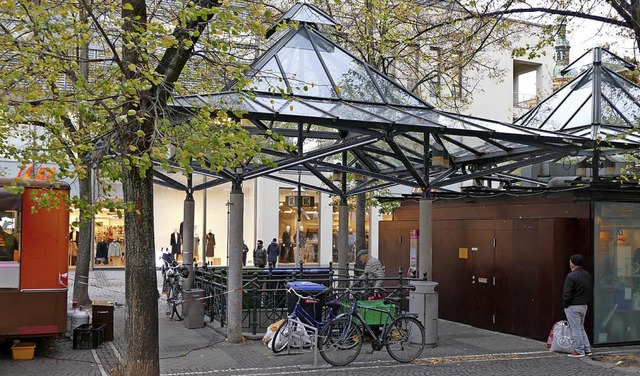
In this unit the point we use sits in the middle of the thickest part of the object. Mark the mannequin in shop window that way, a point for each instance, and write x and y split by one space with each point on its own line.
102 252
285 249
115 251
211 246
300 237
176 242
73 245
196 244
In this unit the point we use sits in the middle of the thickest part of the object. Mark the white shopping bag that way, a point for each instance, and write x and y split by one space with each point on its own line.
271 330
560 338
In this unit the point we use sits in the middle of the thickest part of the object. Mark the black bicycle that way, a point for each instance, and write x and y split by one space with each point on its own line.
341 340
172 279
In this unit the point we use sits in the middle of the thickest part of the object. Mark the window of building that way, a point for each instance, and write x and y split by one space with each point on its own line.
9 236
351 238
299 229
9 240
616 272
108 247
525 84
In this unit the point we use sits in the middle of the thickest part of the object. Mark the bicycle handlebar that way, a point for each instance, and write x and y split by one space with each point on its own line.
291 289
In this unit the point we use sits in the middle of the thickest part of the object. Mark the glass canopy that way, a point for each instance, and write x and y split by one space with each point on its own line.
307 86
598 103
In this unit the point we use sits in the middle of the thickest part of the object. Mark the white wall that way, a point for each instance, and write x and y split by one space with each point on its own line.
325 244
267 210
493 98
169 213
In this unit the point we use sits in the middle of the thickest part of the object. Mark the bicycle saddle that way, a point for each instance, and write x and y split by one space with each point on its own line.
335 304
392 299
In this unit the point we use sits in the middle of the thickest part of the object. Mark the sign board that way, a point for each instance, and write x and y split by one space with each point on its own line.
306 201
413 253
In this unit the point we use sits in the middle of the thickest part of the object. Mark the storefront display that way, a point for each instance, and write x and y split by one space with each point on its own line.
108 247
617 272
351 253
299 230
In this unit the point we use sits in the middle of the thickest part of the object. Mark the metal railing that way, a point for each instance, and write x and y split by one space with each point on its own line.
264 295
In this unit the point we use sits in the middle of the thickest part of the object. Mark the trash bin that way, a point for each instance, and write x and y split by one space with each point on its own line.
193 308
424 302
102 313
308 289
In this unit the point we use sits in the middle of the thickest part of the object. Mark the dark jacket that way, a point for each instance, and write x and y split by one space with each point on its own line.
272 252
578 288
260 257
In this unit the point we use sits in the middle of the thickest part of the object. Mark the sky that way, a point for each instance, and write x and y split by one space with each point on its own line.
585 34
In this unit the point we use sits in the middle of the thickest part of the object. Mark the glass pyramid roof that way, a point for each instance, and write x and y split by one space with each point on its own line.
306 64
345 110
598 103
308 13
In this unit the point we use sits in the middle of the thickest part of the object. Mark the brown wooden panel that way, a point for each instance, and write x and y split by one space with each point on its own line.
479 236
406 212
33 314
450 271
504 276
534 239
524 288
393 245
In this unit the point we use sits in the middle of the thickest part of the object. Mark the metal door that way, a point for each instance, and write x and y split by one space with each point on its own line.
480 237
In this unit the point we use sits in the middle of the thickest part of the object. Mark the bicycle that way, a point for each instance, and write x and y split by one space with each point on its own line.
403 336
300 327
172 276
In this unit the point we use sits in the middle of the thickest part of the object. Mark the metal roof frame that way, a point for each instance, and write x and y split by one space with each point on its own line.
365 118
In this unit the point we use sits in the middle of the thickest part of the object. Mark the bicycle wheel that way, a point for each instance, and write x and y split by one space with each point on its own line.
340 342
293 334
404 339
170 298
281 336
175 301
165 283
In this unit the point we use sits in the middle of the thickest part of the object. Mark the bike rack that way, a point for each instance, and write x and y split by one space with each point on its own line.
309 330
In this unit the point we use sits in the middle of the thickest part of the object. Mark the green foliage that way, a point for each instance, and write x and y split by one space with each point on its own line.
87 89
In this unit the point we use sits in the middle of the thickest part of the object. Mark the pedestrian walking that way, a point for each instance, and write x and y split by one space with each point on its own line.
260 255
272 253
245 250
576 296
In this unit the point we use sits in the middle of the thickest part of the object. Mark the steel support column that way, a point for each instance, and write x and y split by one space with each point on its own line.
343 236
425 239
187 233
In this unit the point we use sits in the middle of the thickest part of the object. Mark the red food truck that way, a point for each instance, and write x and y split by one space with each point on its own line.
34 245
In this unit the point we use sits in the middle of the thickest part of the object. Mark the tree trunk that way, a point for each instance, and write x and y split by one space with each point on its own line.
85 251
141 320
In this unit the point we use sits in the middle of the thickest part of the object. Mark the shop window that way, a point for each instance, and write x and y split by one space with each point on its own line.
109 246
351 238
298 230
616 272
9 242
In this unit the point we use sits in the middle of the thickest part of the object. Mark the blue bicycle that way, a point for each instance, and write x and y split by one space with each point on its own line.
300 328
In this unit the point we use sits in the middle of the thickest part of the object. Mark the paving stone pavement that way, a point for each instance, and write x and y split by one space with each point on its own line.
461 350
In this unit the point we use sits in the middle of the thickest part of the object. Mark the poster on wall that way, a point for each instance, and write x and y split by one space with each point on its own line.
413 254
